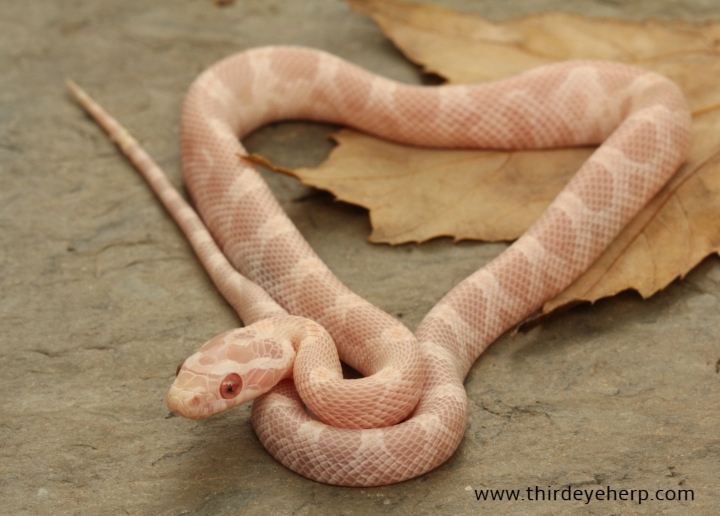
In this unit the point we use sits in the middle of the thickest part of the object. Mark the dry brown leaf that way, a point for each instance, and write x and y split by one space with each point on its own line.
417 194
481 195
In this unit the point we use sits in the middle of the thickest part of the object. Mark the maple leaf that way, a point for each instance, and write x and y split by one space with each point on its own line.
418 194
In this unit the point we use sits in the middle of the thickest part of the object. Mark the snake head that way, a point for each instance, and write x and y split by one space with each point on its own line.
232 368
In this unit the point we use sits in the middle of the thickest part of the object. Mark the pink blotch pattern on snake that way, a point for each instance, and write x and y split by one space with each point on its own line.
409 414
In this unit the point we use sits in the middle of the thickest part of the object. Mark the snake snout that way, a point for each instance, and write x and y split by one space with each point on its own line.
186 403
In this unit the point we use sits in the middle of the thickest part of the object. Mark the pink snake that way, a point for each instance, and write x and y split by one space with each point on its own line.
408 415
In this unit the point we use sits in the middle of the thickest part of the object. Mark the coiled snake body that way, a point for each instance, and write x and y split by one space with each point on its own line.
408 415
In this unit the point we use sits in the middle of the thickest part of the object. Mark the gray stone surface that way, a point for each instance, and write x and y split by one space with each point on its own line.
101 298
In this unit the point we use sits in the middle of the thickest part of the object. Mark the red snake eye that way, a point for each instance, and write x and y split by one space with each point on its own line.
231 386
177 371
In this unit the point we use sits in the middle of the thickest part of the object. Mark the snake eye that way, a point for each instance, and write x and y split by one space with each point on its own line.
177 371
231 386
